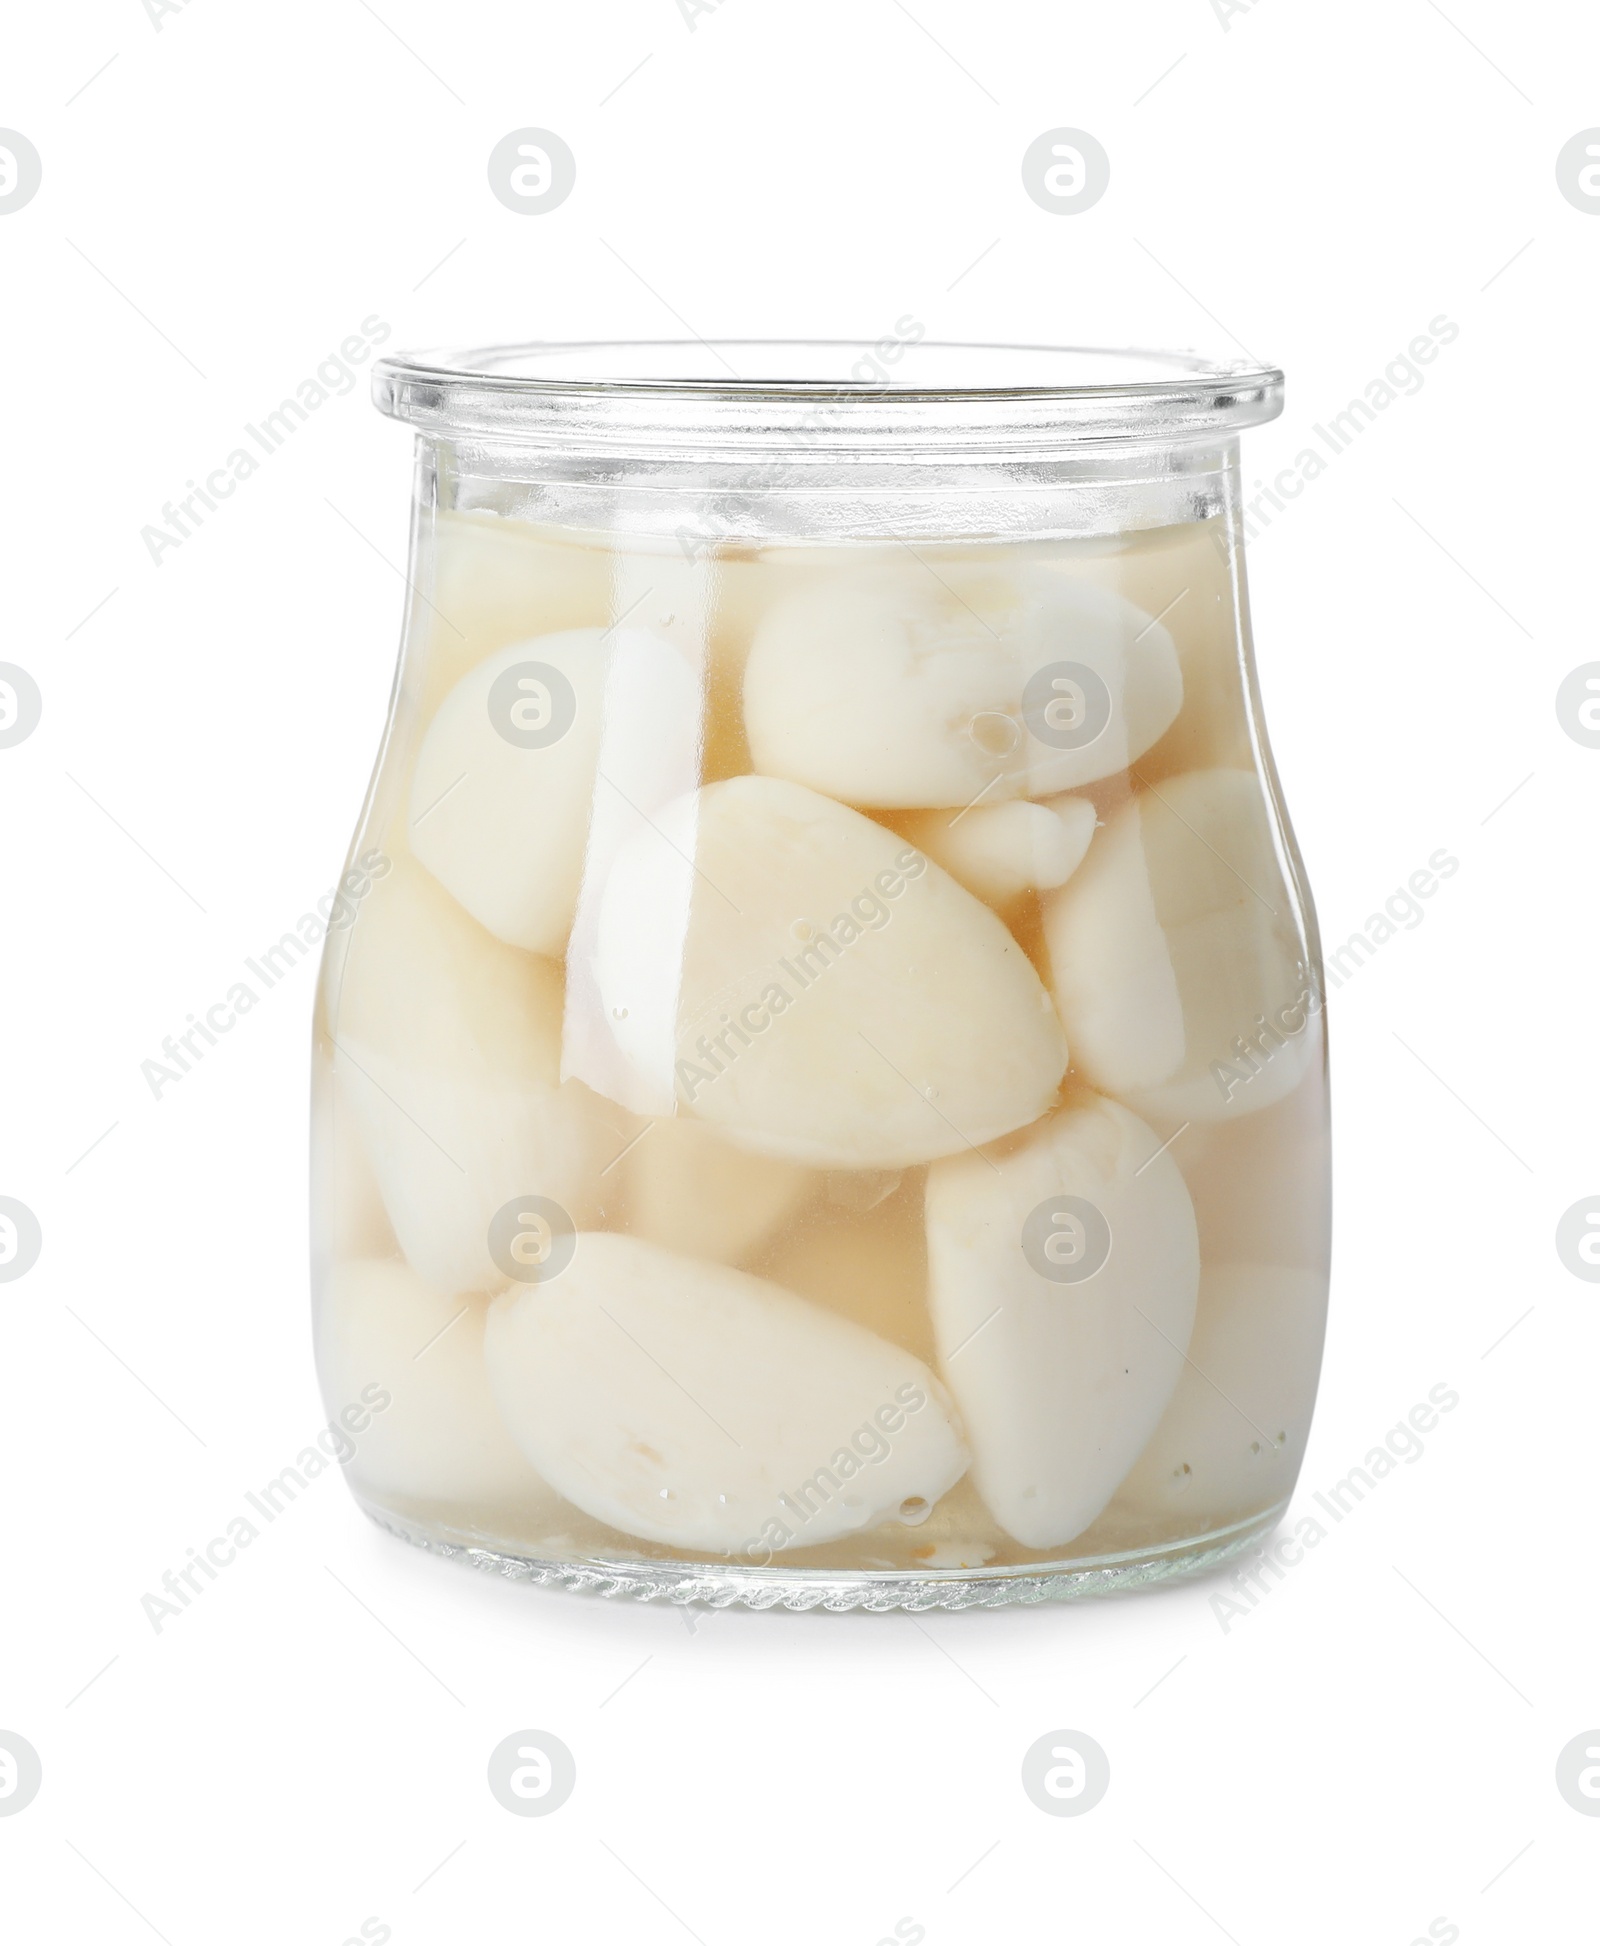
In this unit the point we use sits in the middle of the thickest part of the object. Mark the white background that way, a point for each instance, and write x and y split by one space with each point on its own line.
1369 1749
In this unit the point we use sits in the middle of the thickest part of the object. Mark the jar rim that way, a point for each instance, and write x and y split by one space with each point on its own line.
756 394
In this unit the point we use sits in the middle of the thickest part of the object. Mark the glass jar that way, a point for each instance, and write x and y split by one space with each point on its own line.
820 1091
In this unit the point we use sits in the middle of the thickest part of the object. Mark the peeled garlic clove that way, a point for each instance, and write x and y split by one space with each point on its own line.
447 1043
812 986
999 851
489 581
413 1361
687 1189
690 1404
1062 1283
1175 957
501 791
745 588
902 687
1230 1442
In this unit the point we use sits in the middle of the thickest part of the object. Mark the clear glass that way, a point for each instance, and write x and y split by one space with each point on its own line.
820 1085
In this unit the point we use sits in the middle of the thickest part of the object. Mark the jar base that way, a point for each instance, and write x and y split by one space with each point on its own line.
712 1584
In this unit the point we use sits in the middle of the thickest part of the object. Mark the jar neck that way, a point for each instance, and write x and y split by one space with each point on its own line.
809 490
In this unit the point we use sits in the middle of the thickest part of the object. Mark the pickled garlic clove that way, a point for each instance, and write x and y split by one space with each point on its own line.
684 1187
1062 1284
1175 956
447 1045
1230 1442
808 983
905 688
500 796
693 1405
999 851
413 1361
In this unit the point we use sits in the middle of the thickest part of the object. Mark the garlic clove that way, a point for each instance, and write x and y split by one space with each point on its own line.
394 1351
447 1045
1175 954
809 984
903 687
1062 1283
692 1405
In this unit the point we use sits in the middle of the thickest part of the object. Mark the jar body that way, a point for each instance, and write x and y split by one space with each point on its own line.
820 1089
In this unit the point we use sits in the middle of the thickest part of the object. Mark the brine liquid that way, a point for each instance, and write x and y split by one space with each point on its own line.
1044 1125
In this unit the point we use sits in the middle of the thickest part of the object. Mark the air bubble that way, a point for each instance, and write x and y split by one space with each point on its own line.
994 734
915 1510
